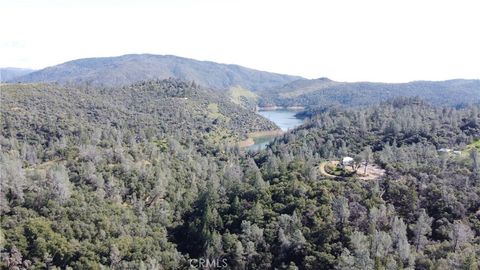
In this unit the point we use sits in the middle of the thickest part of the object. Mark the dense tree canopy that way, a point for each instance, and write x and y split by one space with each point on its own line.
148 177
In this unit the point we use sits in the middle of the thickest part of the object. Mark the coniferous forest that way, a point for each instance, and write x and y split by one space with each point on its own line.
151 176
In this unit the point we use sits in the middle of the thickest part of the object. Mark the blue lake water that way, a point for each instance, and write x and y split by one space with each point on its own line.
284 119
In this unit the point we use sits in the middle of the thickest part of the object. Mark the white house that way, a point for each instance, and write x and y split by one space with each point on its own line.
347 161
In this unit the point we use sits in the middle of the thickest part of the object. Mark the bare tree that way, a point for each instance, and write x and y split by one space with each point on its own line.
367 155
341 210
475 163
400 240
59 183
12 180
460 234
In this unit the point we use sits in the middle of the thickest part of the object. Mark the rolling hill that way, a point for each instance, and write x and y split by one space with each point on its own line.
132 68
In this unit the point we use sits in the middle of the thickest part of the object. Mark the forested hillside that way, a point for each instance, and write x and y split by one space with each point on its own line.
324 92
132 68
147 109
423 213
136 178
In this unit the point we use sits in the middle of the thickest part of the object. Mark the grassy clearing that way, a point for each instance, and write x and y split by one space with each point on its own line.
162 144
239 94
222 135
474 145
213 111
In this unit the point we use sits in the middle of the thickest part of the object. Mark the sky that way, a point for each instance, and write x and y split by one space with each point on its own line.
345 40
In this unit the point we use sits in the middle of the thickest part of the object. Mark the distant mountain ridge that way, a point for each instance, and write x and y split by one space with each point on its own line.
249 87
325 92
132 68
10 73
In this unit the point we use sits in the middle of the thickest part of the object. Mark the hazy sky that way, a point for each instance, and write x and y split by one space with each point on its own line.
344 40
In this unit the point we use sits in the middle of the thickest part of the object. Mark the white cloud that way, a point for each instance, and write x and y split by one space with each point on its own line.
377 40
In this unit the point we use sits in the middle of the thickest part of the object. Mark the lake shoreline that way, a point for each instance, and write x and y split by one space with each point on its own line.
283 118
275 108
259 134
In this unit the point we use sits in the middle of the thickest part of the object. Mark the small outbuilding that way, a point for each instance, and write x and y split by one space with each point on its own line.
347 161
